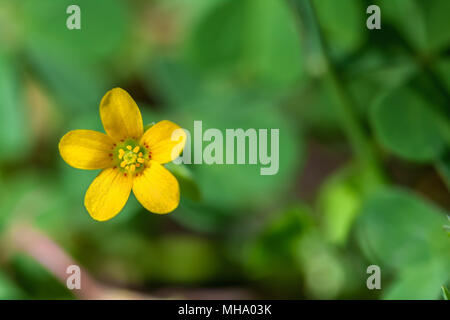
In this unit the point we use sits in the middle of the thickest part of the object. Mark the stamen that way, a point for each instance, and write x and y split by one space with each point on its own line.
130 156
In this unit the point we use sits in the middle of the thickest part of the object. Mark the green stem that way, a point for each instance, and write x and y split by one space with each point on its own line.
345 105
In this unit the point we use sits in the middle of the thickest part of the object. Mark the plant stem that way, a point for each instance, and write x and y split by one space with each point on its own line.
30 240
345 105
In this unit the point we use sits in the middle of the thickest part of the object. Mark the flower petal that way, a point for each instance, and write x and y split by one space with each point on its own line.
165 140
86 149
108 194
157 189
120 115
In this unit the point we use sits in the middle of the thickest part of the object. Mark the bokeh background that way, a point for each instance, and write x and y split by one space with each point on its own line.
364 148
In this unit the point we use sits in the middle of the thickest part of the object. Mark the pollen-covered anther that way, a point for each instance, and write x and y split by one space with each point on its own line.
121 153
131 157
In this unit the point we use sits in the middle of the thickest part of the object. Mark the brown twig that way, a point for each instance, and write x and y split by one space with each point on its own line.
26 238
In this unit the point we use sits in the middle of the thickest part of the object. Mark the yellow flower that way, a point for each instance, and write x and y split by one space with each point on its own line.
131 159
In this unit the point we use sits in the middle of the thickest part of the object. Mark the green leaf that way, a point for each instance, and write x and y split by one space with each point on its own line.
403 235
445 293
340 199
402 230
14 132
408 18
436 15
407 125
72 62
103 28
243 185
249 39
420 281
373 75
421 22
75 84
342 22
339 202
188 186
177 82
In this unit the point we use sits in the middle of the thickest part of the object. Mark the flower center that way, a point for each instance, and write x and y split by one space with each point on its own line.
131 157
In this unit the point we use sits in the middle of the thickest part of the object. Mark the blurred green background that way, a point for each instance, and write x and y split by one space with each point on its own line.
364 148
